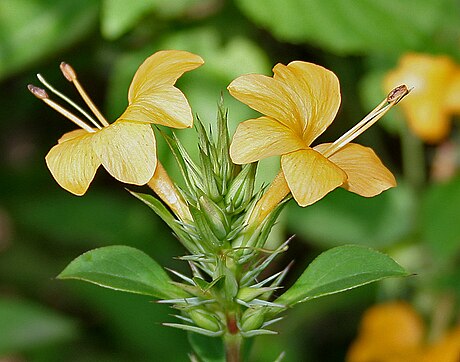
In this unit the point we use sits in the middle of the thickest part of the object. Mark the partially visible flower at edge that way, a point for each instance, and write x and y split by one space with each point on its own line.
299 102
395 332
127 147
435 97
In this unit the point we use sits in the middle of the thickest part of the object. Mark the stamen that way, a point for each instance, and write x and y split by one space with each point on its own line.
393 98
68 100
41 94
71 76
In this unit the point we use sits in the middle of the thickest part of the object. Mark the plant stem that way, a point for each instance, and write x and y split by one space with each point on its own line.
233 347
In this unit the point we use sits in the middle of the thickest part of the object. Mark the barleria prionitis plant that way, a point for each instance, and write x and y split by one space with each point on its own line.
220 217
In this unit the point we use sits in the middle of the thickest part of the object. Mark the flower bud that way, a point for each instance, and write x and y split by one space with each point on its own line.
214 216
252 319
205 319
241 188
247 294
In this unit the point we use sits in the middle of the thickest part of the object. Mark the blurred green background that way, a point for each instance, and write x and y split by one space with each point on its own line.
42 227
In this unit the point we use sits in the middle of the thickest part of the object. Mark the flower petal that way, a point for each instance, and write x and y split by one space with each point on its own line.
127 150
367 176
263 137
166 106
73 163
161 69
310 175
73 134
318 94
268 96
152 95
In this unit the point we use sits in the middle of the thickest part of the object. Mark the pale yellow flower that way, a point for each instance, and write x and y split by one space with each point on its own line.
435 97
126 148
299 102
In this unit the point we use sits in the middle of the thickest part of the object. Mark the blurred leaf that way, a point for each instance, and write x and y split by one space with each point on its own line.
440 220
94 220
343 218
25 326
353 26
31 30
208 349
339 269
118 16
122 268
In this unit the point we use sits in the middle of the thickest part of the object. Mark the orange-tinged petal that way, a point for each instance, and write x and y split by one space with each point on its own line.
268 96
73 163
127 150
310 175
426 109
165 106
161 69
452 100
366 174
263 137
445 350
318 93
389 332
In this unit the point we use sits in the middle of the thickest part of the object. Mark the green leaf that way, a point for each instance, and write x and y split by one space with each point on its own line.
122 268
352 26
339 269
440 220
25 326
31 30
346 218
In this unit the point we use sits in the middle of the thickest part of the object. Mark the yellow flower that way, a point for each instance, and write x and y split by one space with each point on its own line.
395 332
126 148
390 332
435 97
299 102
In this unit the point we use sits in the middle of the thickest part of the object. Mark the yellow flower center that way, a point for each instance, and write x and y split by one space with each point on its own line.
71 76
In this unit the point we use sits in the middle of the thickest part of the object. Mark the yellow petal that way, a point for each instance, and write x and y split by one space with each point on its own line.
268 96
263 137
310 175
73 163
318 93
426 109
72 134
165 106
152 95
161 69
367 176
127 151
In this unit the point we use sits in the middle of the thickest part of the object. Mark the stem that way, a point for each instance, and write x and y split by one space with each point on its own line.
233 347
413 159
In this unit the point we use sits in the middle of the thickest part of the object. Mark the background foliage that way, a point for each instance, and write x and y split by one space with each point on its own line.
42 227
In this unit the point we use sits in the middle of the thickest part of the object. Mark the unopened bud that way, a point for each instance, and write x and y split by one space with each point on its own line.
241 188
38 92
68 71
204 320
214 216
252 319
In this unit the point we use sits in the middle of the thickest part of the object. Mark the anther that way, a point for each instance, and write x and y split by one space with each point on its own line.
397 94
38 92
68 71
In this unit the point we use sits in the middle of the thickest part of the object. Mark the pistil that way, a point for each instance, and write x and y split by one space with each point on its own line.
378 112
